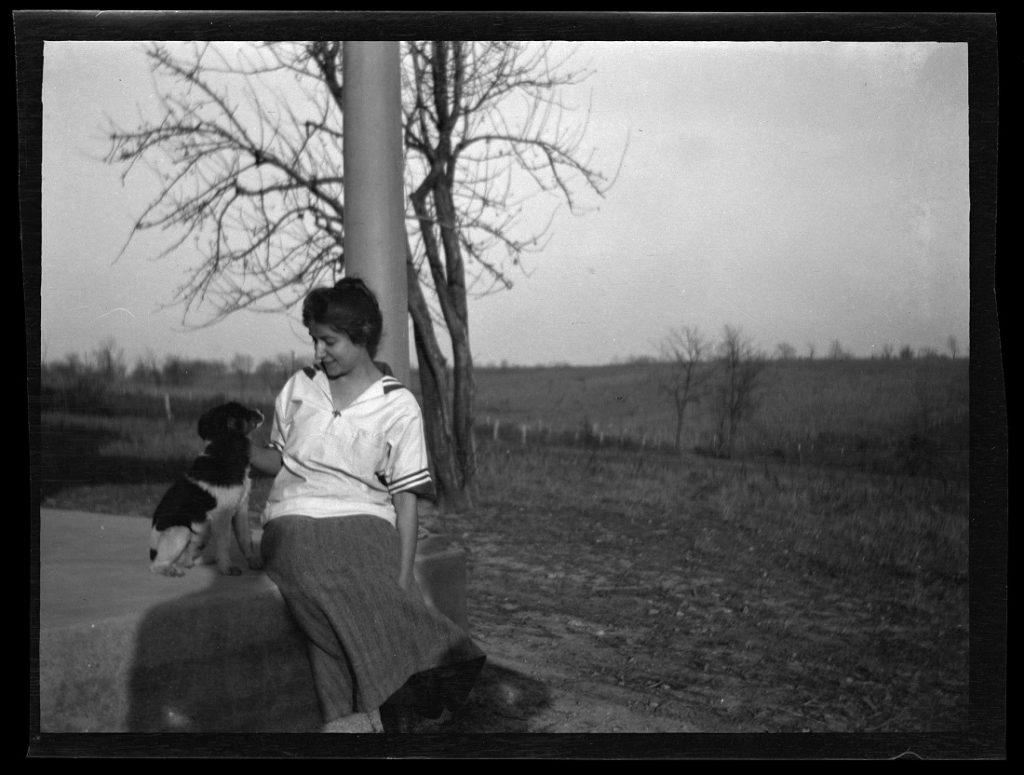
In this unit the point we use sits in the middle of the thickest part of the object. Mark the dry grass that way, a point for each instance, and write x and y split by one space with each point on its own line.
773 598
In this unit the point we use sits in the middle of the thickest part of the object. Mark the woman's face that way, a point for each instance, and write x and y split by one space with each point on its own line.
334 351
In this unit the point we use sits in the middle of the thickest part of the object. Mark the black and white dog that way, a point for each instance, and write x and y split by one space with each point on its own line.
211 497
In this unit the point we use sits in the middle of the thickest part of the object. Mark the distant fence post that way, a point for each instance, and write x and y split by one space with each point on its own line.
167 408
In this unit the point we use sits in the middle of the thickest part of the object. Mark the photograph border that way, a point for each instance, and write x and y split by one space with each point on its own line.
985 737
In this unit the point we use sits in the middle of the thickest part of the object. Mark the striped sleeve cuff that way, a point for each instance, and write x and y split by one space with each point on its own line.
418 482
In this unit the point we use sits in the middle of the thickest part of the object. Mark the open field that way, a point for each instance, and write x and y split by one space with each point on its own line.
816 582
891 416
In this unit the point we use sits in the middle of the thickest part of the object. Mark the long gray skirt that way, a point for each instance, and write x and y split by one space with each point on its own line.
368 637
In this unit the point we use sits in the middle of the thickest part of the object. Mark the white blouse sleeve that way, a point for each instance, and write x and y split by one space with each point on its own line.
407 467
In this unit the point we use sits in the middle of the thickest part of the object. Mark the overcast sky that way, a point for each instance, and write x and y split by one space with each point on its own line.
803 192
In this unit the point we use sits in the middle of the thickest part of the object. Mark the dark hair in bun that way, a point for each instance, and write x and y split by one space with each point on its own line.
349 307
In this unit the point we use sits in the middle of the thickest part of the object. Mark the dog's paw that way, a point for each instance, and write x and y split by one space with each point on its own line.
168 570
255 563
231 570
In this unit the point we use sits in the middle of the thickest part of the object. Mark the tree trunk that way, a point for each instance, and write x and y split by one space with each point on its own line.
449 283
679 427
464 394
449 482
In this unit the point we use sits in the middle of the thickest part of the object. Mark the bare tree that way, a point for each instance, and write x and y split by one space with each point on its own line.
685 350
456 119
810 351
835 351
255 180
147 369
740 368
241 366
953 346
785 351
109 361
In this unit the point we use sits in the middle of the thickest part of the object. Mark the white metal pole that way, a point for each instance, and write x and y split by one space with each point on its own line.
374 188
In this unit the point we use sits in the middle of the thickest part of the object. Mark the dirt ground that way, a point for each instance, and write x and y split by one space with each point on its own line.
534 683
610 635
548 670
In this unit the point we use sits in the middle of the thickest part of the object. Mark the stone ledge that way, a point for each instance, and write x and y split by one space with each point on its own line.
123 650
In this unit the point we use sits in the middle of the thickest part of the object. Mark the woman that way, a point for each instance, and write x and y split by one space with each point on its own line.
341 522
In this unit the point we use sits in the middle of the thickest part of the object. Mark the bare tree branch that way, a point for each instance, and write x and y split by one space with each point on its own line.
247 153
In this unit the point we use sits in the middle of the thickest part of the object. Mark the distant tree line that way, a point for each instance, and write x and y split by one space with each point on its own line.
784 351
727 375
106 364
680 347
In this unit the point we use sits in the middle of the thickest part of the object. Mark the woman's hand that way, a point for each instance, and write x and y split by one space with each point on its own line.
407 581
266 460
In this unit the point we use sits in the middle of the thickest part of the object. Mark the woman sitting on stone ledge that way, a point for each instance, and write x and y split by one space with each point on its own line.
341 523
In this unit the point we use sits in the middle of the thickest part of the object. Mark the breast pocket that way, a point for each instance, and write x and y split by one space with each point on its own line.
354 450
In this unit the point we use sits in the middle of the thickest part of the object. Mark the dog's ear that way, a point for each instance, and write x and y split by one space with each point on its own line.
211 423
255 419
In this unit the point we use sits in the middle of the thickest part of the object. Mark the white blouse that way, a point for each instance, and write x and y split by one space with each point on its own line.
349 461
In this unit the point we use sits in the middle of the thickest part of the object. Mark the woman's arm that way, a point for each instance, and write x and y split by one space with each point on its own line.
408 525
267 460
